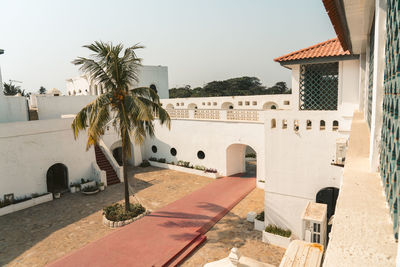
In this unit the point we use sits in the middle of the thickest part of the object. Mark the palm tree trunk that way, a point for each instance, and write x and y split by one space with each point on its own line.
125 173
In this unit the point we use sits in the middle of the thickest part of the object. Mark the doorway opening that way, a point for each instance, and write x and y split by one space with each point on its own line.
57 178
241 159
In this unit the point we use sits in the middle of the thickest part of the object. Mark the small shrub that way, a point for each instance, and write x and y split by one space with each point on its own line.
201 168
144 164
5 202
251 155
273 229
21 199
161 160
210 170
83 181
260 216
172 163
90 189
153 159
117 212
182 163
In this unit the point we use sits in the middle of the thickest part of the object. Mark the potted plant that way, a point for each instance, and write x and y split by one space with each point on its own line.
101 186
259 222
57 194
276 236
72 187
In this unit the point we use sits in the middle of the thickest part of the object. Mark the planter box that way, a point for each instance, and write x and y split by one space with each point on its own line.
91 183
26 204
43 199
259 225
113 224
276 240
183 169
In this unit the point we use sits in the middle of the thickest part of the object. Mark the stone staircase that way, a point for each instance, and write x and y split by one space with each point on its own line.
104 164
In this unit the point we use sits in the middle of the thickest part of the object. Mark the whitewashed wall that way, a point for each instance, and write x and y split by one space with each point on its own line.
298 164
148 75
157 75
52 107
13 108
238 102
212 137
29 149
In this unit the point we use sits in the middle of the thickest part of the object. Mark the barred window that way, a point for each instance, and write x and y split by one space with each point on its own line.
319 86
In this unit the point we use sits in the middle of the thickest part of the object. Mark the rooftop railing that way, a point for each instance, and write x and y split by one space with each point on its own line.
216 114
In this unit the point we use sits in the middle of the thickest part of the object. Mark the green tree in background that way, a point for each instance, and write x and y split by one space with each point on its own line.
231 87
42 90
131 112
11 89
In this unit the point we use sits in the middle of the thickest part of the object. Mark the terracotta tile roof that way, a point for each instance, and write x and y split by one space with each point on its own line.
330 48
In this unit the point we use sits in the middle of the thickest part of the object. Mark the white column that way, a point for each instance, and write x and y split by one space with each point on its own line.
361 85
296 86
378 88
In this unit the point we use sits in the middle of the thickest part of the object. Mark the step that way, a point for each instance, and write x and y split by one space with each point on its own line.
186 251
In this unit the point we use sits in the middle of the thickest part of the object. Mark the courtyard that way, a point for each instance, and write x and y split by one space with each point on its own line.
44 233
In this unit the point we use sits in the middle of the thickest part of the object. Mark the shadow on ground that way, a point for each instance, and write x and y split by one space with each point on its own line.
22 230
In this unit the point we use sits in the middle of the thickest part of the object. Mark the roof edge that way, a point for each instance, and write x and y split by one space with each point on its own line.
304 49
337 15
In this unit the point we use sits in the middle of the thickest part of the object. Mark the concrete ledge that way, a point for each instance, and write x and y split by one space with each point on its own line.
362 232
26 204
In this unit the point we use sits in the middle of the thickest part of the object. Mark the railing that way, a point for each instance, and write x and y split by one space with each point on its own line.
178 113
118 169
242 115
215 114
211 114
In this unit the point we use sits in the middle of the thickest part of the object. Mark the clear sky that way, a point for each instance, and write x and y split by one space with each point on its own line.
199 40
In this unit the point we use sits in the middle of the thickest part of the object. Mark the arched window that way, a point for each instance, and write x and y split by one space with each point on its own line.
322 125
296 125
284 124
273 123
309 125
270 105
335 126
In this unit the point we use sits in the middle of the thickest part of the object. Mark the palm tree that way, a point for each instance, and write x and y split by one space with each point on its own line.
131 112
11 89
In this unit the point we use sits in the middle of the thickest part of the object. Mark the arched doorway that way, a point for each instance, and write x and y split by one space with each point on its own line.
192 106
328 196
270 105
117 153
241 159
57 178
227 105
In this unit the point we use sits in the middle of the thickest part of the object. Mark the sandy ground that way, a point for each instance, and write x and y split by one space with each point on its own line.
44 233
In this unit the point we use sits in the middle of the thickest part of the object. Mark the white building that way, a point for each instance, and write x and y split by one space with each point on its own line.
155 77
345 92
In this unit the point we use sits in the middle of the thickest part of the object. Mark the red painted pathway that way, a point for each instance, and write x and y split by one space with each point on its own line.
168 235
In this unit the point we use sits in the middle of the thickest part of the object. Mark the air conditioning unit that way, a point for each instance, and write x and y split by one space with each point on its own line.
314 223
341 147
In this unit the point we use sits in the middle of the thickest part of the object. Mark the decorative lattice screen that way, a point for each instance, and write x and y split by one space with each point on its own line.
390 143
370 72
319 86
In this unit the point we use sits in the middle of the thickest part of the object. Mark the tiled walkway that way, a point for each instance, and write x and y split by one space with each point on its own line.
159 237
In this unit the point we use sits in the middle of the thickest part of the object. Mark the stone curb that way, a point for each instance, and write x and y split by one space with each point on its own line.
113 224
